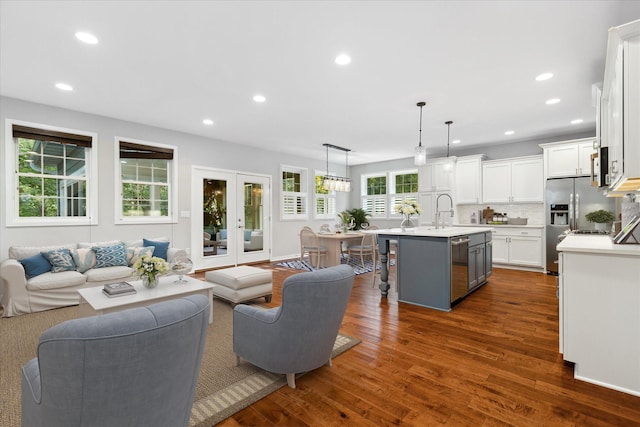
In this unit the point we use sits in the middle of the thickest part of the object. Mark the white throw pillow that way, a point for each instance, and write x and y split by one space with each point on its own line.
133 254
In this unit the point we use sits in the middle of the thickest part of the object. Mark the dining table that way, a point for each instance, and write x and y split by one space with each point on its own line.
333 243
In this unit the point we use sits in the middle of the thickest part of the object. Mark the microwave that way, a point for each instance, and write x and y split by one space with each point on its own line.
600 167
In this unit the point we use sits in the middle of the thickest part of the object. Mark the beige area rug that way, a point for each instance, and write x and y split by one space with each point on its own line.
223 388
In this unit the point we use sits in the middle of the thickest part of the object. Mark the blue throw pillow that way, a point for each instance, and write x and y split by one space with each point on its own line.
223 234
247 235
35 265
160 248
110 256
60 260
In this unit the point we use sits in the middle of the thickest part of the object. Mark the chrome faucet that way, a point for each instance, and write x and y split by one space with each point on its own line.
438 211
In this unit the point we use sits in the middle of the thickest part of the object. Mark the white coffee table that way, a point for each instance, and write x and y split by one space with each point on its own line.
94 302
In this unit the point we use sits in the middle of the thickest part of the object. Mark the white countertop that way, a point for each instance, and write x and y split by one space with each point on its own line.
596 244
500 226
431 231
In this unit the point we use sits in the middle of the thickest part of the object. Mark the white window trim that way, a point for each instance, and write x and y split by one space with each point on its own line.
173 186
11 203
329 195
305 194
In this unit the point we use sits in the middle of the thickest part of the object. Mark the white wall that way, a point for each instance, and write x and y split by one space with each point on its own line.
192 150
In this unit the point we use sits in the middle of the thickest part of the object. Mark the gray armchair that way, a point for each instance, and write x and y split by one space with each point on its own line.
137 367
299 335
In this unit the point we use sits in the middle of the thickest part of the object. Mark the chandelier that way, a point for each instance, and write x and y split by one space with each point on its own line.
336 183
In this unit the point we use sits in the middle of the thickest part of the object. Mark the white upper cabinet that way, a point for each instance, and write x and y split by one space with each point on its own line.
436 175
513 181
570 158
469 180
620 107
496 182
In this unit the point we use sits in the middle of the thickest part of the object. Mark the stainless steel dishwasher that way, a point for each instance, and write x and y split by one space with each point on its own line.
459 267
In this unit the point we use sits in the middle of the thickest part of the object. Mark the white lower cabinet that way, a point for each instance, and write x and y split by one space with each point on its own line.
517 246
599 319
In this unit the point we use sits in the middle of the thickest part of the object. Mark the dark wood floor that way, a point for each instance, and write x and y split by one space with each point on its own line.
492 361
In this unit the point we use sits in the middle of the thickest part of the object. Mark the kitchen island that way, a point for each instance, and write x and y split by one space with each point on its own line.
436 267
599 310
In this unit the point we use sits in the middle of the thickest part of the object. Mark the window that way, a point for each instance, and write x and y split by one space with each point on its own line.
405 187
294 193
374 196
382 192
325 200
146 178
52 175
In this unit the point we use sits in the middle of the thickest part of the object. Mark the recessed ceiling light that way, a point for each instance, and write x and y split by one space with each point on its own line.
259 98
86 37
455 141
64 86
576 121
544 76
208 122
343 59
509 132
552 101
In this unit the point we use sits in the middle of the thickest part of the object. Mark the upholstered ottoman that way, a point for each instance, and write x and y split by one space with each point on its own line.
240 284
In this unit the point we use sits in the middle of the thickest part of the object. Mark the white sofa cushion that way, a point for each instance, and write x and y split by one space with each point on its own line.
105 243
21 252
108 273
63 279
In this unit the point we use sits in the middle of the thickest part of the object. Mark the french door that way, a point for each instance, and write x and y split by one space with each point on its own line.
231 220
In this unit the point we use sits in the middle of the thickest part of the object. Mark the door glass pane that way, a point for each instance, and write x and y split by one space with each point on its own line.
253 208
214 211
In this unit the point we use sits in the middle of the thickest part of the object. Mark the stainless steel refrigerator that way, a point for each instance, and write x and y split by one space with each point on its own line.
567 201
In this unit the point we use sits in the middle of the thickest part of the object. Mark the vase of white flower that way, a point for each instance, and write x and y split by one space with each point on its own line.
408 208
150 283
149 269
407 222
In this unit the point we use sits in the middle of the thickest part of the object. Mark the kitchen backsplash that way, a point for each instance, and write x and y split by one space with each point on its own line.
533 211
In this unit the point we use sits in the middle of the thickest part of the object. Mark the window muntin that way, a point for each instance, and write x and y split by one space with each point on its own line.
324 200
293 203
146 181
52 175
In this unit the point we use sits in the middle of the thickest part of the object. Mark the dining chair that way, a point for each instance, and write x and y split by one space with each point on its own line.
310 244
365 248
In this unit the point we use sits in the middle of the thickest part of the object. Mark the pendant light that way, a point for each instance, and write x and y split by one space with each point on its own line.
420 152
337 183
448 166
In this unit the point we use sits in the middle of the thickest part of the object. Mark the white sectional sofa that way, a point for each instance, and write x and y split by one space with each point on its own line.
22 294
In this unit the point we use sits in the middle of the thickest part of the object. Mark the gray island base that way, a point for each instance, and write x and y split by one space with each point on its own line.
436 267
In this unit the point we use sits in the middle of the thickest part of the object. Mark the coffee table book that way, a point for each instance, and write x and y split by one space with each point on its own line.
118 289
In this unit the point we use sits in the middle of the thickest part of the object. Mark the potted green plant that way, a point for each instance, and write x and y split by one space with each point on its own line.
345 220
359 216
601 218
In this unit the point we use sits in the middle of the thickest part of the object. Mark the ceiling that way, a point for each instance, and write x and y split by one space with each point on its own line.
172 64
